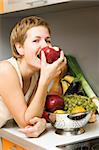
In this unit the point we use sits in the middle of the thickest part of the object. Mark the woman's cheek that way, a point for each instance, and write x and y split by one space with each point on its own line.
32 55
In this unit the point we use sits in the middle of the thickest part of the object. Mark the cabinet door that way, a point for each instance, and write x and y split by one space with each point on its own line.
16 5
7 145
1 6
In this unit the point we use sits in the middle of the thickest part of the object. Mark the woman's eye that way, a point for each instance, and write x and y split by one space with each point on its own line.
48 41
35 41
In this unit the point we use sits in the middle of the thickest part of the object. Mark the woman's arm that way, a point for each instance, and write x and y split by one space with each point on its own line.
48 72
12 94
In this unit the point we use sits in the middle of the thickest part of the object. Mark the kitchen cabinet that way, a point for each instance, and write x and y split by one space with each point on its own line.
8 145
7 6
16 5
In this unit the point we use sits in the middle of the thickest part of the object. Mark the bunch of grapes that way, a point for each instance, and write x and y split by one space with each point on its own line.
71 101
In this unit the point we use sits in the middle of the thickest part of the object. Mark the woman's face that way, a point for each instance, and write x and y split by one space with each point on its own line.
37 38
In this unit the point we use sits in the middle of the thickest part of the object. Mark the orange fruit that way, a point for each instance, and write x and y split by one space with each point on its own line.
78 109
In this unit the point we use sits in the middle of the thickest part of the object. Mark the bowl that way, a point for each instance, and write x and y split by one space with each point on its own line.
69 122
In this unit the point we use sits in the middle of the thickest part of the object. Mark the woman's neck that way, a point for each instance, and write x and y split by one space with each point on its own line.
26 74
25 70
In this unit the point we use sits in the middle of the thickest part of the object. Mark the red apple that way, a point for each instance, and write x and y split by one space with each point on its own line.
51 53
54 102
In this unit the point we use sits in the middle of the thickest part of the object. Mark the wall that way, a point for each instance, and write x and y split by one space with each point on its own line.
6 24
76 31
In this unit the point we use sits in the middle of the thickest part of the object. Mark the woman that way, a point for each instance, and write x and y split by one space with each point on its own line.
27 77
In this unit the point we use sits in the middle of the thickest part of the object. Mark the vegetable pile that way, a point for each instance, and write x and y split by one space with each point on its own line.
77 93
77 72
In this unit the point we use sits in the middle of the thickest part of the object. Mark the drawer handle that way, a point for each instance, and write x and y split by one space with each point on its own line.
36 3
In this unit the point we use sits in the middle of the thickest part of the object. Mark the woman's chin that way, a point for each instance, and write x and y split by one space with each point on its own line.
38 67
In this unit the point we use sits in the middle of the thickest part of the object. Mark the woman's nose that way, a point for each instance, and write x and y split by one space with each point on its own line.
44 43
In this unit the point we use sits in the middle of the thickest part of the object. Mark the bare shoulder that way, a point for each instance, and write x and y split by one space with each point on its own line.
5 67
7 72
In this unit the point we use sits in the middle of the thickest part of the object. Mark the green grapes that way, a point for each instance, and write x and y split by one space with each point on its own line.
72 101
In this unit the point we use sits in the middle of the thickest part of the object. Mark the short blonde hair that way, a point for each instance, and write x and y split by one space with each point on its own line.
18 33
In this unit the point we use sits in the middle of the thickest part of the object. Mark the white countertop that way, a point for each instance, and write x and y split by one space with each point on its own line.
49 139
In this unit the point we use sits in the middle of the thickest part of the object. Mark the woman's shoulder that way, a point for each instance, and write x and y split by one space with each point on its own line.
6 68
9 72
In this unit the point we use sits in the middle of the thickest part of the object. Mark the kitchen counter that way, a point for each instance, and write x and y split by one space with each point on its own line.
49 139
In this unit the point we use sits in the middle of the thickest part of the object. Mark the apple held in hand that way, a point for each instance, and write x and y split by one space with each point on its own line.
51 53
54 102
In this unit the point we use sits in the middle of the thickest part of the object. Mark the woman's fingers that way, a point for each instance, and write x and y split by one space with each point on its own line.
60 59
27 129
30 132
65 60
34 120
61 56
43 58
38 125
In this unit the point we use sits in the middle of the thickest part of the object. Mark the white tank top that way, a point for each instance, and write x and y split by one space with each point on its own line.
5 115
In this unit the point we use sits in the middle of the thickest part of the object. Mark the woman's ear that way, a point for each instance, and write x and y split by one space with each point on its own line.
19 48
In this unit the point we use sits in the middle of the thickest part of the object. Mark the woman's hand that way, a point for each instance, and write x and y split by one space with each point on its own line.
36 127
50 71
64 68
